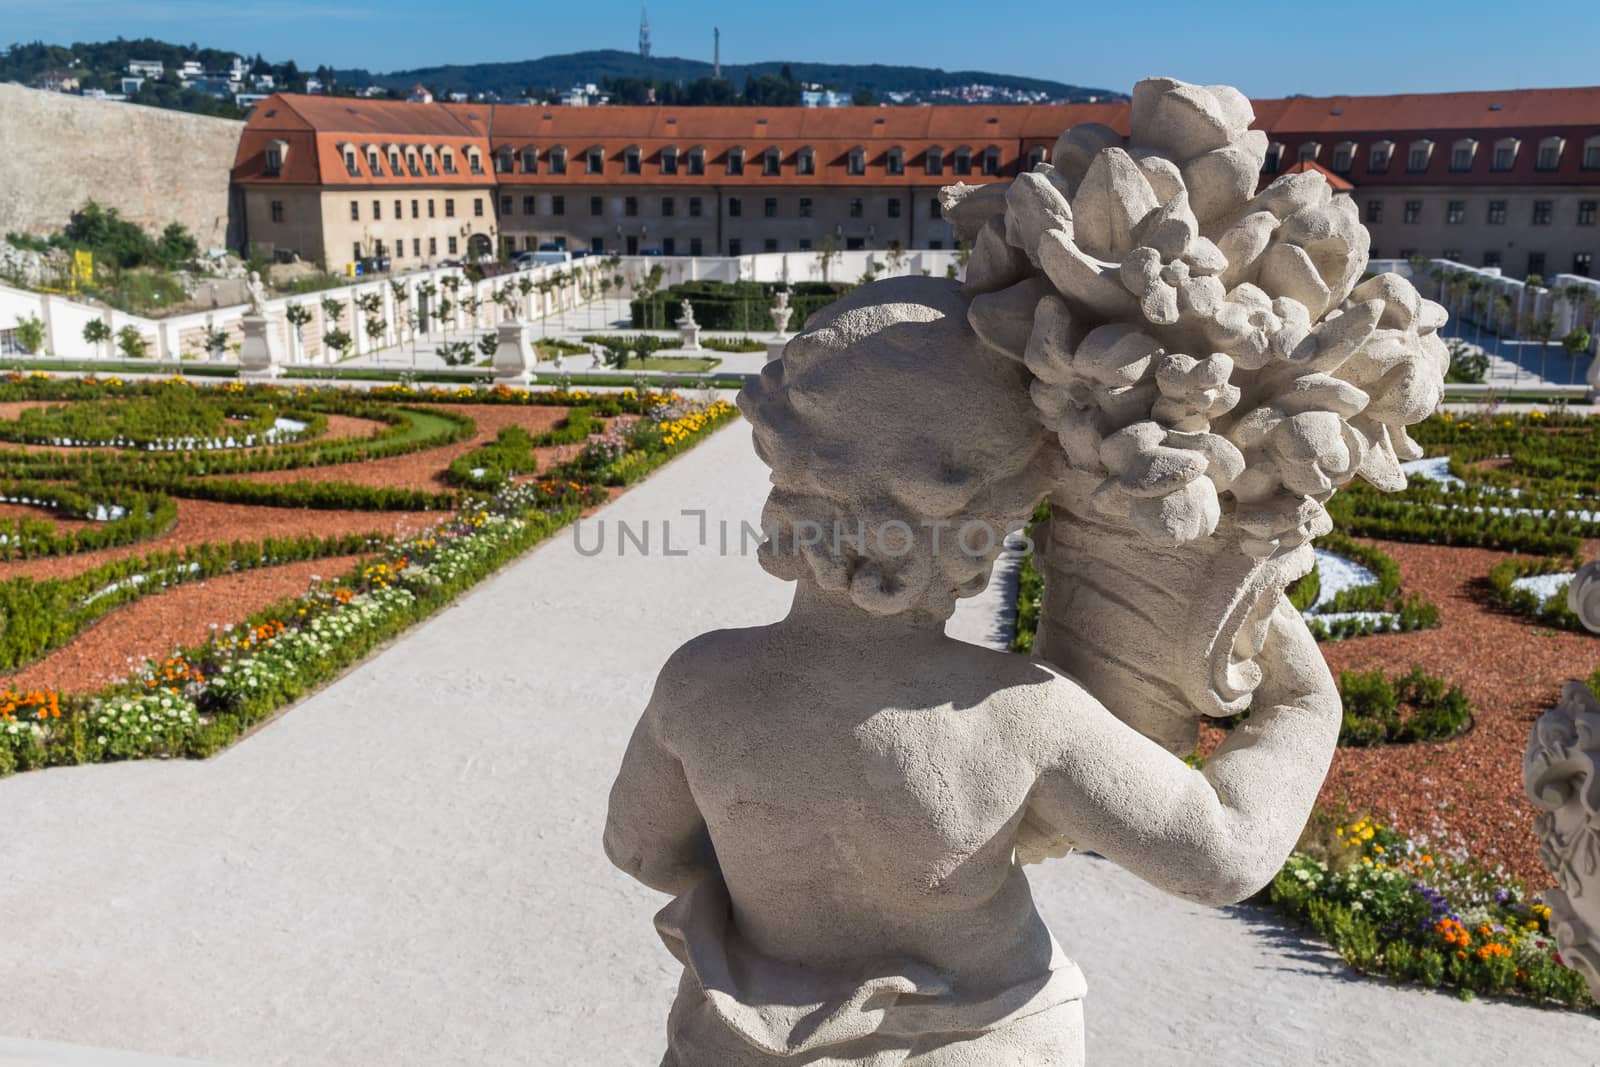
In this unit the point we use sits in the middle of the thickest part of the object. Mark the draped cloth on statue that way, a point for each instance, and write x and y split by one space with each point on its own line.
736 1002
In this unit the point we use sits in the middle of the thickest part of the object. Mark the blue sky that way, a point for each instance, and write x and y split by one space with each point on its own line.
1266 49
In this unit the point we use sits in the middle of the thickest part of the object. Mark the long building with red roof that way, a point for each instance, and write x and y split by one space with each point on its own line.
1505 179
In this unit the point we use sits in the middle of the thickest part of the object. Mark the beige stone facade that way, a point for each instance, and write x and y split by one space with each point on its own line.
415 227
1544 230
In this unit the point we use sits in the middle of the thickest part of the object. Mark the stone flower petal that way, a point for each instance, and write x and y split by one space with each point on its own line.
1220 182
1118 354
1055 337
1005 319
995 263
1183 120
1112 200
1077 147
968 207
1287 270
1033 207
1093 284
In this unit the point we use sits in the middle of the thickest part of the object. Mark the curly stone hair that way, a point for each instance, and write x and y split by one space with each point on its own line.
903 450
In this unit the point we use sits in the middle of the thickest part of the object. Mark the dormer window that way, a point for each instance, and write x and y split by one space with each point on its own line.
991 161
697 160
805 161
502 161
558 159
630 160
771 161
1505 154
1274 158
277 152
1591 153
963 162
411 165
1417 159
1378 158
1344 157
449 159
530 160
857 163
429 163
669 160
595 160
1309 151
474 161
736 161
933 161
350 162
374 161
1549 157
895 162
1035 156
1461 154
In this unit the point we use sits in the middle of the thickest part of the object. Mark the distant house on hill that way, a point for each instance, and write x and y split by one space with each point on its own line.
419 95
146 68
57 81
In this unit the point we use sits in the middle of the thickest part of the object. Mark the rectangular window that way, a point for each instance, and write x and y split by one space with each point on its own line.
630 163
449 207
1460 159
1455 212
433 246
597 245
933 208
694 207
430 207
1549 157
805 207
558 163
894 207
963 164
377 210
1452 254
697 163
558 204
597 161
414 210
696 246
857 164
769 165
399 209
735 208
416 246
477 207
1497 213
1591 156
506 205
933 162
735 162
769 245
991 163
769 207
1582 263
895 164
1417 162
350 165
857 208
530 205
1586 212
355 211
669 163
355 251
1378 158
669 246
449 163
277 211
1543 212
1413 212
1374 211
805 244
1491 259
452 245
1536 263
1504 157
668 206
596 205
735 247
400 249
632 245
630 206
805 162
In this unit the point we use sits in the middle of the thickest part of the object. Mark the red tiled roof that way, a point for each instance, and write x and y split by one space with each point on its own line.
1311 166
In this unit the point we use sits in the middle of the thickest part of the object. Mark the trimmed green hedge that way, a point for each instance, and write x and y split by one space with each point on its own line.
145 515
732 305
1551 610
1415 706
510 453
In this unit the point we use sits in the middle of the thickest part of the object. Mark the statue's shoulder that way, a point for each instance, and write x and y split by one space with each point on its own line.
711 659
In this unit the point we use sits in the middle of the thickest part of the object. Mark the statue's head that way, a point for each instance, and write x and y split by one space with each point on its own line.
902 451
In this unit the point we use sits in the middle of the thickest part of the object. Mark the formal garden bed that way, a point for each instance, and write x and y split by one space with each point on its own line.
440 487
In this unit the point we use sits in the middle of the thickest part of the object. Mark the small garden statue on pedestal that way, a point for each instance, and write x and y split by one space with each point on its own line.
259 355
688 329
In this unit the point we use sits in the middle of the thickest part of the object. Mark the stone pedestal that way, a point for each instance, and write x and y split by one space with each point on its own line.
258 352
775 347
690 336
514 356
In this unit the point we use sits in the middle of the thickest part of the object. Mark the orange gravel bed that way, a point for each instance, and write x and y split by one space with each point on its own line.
155 627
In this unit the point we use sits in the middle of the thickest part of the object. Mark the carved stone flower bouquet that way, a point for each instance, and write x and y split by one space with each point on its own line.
1214 368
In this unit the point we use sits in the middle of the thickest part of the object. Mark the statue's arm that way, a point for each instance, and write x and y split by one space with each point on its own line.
654 829
1218 834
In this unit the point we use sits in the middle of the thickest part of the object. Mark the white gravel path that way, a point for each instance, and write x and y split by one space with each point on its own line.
406 869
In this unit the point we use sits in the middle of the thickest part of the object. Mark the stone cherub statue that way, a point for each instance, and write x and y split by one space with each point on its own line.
841 803
780 312
1561 773
256 294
